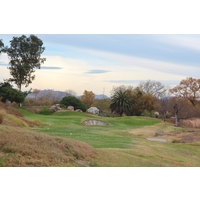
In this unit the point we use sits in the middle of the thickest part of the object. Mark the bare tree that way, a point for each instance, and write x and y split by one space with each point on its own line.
182 109
155 88
70 92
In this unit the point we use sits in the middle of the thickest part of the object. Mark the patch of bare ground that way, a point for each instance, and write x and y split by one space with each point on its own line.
27 148
170 133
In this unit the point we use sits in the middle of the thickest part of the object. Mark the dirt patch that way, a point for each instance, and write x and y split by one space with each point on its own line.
157 139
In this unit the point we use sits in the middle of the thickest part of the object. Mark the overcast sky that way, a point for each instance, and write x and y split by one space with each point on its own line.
97 62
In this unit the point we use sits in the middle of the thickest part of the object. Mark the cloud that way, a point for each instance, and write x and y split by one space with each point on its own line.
185 41
50 68
124 81
165 82
139 63
97 71
2 63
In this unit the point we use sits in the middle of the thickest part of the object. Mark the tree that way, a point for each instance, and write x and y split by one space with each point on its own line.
36 92
11 94
70 92
73 101
120 102
189 89
141 102
87 98
155 88
24 54
1 45
181 108
163 107
102 104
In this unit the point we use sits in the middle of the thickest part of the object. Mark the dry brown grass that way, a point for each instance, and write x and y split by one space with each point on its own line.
21 147
12 117
1 118
193 123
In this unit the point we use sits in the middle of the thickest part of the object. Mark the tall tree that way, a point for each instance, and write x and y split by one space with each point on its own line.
24 54
189 89
87 98
155 88
120 102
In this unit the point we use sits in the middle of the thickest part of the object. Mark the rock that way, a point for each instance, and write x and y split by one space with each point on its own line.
55 107
70 108
159 133
93 110
78 110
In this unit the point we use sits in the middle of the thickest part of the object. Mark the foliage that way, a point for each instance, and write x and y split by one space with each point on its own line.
189 89
183 107
87 98
11 94
24 54
149 113
141 102
73 101
120 102
37 102
102 104
1 45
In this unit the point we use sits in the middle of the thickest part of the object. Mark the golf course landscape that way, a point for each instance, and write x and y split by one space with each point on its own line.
62 139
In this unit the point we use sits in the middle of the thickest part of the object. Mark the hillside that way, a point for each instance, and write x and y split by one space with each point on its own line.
19 146
60 94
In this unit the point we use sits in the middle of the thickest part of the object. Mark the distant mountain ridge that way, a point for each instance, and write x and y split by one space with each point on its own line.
60 94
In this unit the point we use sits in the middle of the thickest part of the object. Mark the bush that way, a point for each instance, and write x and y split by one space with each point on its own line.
45 111
73 101
149 113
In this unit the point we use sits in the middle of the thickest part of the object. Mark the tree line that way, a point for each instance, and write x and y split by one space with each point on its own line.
149 98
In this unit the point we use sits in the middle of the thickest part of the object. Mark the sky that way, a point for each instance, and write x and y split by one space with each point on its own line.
97 62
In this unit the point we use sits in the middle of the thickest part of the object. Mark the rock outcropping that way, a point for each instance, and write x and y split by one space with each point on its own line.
93 110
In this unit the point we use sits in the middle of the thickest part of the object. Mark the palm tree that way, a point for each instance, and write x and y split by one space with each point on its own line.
120 102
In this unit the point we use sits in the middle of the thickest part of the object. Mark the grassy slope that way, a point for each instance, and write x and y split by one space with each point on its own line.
22 147
123 142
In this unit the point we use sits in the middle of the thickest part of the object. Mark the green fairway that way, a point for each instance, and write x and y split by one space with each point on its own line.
123 142
70 124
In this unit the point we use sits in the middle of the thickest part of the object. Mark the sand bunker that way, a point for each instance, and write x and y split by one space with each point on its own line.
95 122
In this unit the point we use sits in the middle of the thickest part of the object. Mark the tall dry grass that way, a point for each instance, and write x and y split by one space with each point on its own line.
21 147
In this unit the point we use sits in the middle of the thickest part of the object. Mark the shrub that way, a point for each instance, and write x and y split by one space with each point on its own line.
73 101
45 111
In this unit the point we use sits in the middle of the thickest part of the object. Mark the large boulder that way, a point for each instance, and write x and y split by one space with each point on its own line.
93 110
70 108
